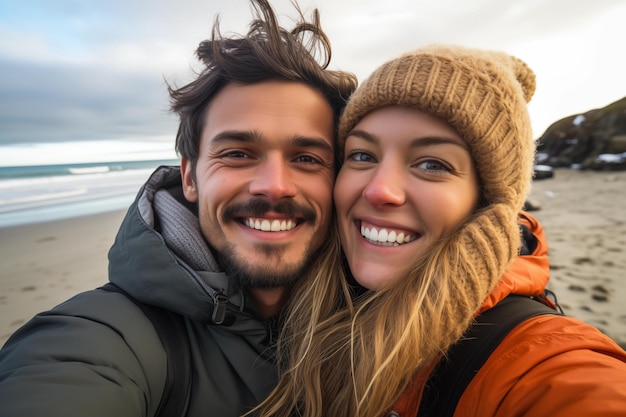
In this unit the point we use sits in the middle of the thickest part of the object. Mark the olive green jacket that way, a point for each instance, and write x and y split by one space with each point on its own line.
97 354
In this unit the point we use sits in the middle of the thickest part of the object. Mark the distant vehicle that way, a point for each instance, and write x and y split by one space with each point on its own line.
543 172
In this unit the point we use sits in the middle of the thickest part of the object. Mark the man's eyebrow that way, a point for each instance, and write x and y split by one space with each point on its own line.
417 142
253 136
311 142
250 136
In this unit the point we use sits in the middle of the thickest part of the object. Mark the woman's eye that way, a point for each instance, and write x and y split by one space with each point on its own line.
360 156
433 165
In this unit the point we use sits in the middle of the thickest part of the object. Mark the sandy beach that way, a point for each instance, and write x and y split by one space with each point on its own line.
583 214
584 217
44 264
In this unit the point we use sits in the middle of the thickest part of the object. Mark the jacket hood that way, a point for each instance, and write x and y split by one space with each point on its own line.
153 266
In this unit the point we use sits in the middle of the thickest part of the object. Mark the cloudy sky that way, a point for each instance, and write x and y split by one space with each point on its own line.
87 70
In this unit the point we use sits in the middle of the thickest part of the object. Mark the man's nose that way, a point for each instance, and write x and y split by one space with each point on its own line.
386 187
273 179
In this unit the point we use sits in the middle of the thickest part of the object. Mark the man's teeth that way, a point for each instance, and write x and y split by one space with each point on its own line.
270 225
385 237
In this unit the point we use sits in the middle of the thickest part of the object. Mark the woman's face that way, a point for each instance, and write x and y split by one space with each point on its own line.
407 180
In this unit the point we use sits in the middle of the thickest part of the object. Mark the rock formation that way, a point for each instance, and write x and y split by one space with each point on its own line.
593 140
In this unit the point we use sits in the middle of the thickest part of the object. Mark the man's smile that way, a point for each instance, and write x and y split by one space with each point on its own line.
271 225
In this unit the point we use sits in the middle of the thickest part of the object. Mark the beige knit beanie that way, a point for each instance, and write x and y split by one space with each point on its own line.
482 94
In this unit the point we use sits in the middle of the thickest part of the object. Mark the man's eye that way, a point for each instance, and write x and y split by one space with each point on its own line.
308 159
236 154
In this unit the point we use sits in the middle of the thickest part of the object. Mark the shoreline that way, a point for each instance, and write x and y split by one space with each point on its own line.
582 213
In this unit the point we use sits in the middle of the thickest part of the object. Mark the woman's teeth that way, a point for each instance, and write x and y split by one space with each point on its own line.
385 237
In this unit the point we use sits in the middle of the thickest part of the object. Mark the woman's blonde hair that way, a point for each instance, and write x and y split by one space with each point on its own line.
348 354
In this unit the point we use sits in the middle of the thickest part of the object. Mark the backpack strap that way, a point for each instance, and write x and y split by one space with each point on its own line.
463 360
170 327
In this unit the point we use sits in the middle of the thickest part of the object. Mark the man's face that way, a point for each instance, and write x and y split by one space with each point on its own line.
263 180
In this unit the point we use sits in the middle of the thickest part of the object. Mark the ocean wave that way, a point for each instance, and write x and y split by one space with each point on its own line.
27 199
38 171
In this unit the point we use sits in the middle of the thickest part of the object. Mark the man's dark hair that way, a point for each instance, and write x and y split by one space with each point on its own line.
267 52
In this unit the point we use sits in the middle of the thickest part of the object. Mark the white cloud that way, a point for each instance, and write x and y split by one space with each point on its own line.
108 59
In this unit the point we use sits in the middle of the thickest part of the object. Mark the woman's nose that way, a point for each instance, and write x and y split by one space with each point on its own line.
386 187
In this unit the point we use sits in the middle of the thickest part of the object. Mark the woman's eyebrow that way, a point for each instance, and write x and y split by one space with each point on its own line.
365 136
416 142
439 140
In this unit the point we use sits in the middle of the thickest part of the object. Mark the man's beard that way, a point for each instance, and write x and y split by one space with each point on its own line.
274 273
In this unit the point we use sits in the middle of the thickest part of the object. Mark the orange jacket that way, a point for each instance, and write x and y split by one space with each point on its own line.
549 366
